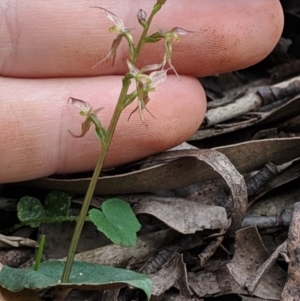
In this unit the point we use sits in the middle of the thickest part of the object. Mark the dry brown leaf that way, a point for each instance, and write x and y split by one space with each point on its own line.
246 157
118 255
252 283
291 289
172 274
183 215
250 254
215 281
203 283
235 181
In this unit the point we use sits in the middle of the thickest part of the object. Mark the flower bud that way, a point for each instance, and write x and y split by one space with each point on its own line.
142 16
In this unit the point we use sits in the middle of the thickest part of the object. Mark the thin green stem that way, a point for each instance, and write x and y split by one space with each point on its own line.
122 102
92 185
39 253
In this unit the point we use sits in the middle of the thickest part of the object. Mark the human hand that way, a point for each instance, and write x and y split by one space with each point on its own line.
48 49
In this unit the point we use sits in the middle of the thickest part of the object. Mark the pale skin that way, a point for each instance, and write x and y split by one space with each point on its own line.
48 49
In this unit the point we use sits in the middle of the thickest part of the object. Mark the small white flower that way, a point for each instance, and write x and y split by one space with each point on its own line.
122 31
145 84
169 37
91 118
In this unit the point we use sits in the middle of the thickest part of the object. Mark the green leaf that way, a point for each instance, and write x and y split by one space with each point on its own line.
57 203
30 208
83 275
117 221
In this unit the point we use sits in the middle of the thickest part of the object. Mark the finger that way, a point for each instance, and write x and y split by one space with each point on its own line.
62 39
35 119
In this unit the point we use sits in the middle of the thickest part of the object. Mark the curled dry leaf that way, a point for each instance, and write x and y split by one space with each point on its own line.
246 157
220 164
183 215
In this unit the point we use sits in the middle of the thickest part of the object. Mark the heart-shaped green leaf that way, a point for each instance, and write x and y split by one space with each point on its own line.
117 221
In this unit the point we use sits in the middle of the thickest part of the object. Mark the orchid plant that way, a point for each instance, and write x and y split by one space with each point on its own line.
144 83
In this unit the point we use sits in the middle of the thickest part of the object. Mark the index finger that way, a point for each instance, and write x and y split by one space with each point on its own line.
67 38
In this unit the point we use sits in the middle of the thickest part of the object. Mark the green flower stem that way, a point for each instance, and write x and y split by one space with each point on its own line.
92 185
123 101
144 34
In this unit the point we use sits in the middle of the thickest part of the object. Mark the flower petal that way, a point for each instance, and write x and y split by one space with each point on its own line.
82 105
151 67
158 77
180 31
85 126
132 69
114 47
111 16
